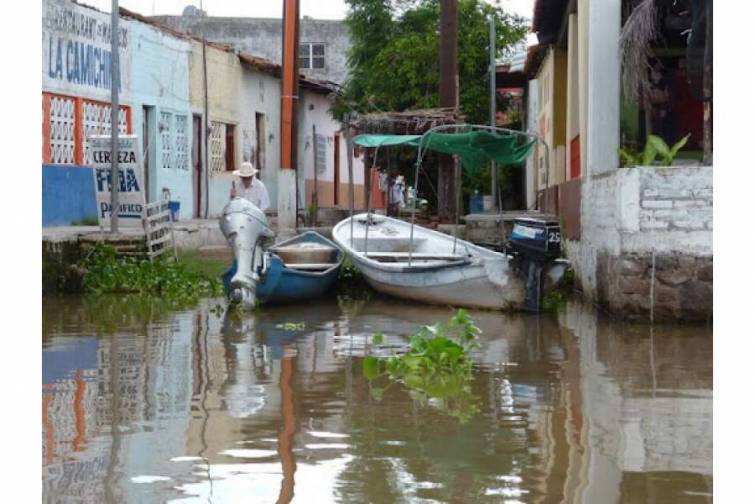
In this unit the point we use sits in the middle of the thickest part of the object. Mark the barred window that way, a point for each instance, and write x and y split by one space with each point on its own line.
61 124
68 121
217 147
182 143
166 137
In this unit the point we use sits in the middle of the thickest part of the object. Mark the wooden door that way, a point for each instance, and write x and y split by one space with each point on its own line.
196 155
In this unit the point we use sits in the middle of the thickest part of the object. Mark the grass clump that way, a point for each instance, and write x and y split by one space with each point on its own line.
108 273
437 367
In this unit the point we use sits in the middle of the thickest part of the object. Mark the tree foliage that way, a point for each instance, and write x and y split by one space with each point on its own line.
394 58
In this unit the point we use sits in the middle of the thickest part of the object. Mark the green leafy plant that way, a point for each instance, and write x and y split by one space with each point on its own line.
106 272
656 152
436 367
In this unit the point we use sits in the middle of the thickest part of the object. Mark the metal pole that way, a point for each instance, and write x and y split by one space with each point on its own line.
114 112
493 169
368 185
350 164
206 120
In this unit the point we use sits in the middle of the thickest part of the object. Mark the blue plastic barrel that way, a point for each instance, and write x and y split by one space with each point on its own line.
475 203
174 207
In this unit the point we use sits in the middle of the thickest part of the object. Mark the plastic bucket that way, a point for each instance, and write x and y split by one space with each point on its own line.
174 207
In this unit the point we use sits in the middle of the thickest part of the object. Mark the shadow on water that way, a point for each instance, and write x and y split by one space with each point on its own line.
143 401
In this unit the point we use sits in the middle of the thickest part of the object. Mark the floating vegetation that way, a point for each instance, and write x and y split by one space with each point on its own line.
290 326
105 272
437 368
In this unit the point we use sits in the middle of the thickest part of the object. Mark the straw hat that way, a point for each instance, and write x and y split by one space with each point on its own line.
247 170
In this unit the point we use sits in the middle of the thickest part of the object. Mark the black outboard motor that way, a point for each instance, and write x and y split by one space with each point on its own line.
535 243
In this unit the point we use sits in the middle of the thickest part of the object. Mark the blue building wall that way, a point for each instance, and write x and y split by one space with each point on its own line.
160 81
67 194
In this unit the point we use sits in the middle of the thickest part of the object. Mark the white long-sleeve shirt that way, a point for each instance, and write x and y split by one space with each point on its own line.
255 193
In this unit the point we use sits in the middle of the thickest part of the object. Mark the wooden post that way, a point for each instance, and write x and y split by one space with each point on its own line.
449 97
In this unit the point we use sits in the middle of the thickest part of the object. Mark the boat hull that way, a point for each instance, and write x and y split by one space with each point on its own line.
280 284
481 280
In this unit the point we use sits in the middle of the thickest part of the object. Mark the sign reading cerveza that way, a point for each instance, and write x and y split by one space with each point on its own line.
130 187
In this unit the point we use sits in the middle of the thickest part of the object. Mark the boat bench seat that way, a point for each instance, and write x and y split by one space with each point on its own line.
419 256
310 266
387 244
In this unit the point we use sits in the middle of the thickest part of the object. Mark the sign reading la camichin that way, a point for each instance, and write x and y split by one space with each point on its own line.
76 50
130 186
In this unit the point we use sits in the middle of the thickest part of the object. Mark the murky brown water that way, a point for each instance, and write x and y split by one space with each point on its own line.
144 404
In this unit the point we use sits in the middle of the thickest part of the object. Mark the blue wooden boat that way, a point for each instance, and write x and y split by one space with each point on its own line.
303 267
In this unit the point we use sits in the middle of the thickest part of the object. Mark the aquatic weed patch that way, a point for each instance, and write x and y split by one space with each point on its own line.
437 368
106 272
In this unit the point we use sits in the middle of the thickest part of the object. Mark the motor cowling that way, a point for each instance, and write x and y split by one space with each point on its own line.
535 245
244 225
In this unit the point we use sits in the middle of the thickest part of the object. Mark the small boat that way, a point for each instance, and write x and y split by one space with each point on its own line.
303 267
430 266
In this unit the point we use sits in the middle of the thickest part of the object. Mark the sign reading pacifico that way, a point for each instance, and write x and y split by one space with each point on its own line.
130 186
76 50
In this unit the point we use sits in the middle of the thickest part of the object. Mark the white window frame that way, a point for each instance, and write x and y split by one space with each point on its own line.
310 56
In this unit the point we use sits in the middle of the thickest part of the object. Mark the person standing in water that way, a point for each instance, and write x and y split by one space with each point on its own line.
252 188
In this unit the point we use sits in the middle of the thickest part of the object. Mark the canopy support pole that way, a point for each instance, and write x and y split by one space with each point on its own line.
350 164
368 184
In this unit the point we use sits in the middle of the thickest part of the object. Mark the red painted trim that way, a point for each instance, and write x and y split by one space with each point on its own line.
78 131
46 155
575 159
48 427
79 411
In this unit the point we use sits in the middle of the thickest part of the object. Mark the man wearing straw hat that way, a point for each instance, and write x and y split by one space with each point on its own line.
252 188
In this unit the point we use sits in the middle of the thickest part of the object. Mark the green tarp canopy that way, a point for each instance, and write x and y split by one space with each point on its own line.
474 148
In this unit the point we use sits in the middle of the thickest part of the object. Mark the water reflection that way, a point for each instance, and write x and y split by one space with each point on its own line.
150 403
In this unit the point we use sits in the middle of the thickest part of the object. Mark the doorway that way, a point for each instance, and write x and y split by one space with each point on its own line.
259 147
336 168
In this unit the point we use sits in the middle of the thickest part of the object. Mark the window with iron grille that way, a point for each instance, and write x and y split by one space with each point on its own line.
166 138
97 122
311 55
182 142
68 121
217 147
61 125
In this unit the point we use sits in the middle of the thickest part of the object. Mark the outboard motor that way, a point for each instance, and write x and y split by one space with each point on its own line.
535 243
243 224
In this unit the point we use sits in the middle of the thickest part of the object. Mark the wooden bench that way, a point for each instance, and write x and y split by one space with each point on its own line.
310 266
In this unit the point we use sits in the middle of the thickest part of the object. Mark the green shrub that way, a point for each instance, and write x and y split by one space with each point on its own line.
108 273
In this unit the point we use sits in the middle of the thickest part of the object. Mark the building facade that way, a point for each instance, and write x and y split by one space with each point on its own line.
323 44
640 237
162 101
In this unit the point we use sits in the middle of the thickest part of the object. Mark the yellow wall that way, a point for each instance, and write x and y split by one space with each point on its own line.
551 125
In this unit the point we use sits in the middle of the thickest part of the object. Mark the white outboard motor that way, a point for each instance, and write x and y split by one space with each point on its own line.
243 224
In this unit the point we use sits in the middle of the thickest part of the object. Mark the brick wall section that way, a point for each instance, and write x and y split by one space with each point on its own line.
676 199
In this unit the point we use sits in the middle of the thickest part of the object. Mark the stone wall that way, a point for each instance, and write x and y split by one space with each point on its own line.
627 216
681 288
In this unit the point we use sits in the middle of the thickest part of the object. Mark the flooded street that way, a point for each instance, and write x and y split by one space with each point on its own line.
145 403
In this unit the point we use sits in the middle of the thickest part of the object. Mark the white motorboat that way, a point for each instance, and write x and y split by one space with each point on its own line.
429 266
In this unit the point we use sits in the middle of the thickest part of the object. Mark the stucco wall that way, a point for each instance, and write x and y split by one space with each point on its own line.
263 37
161 80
